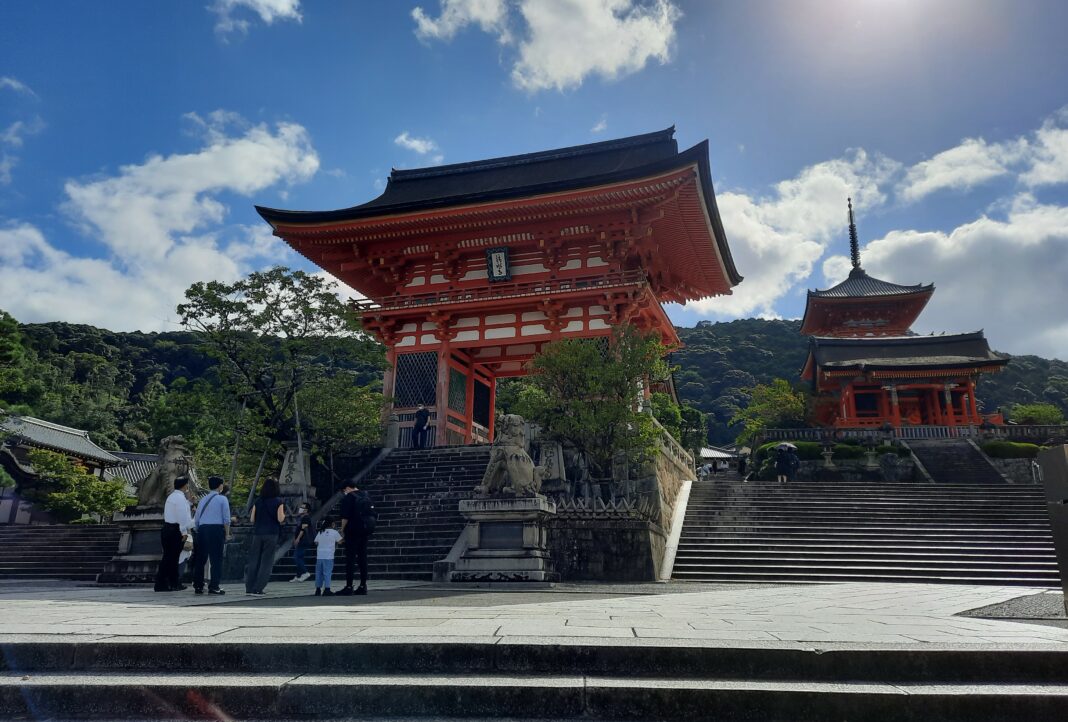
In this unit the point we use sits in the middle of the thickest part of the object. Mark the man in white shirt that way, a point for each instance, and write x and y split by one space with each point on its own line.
177 521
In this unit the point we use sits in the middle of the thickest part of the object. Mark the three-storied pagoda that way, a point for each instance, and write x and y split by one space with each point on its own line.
868 368
469 269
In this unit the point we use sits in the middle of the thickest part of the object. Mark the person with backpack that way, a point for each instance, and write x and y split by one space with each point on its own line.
358 519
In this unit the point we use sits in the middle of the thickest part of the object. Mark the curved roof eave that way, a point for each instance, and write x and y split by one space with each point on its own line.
697 154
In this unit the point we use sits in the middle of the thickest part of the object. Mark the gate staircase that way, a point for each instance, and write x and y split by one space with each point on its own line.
56 551
416 493
975 533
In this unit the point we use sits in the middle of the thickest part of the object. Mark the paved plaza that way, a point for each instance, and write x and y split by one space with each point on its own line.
682 614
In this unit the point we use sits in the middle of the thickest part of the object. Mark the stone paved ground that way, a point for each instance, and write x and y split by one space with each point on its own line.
692 614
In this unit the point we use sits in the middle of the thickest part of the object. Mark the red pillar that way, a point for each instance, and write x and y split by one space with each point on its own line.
441 400
947 395
971 398
469 407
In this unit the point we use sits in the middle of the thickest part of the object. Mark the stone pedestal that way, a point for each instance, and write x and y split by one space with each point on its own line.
137 558
828 459
870 462
507 540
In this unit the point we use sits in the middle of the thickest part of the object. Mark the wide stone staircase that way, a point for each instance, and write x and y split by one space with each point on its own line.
245 679
947 460
56 551
416 493
974 533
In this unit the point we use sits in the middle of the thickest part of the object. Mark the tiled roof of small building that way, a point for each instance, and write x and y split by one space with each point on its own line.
137 469
64 439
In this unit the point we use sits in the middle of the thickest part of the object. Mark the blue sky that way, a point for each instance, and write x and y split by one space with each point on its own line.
135 137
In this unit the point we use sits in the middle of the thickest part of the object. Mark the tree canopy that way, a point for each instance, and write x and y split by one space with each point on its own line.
774 405
586 392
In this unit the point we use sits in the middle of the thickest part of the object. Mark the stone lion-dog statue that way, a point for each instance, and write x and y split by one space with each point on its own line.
174 460
510 470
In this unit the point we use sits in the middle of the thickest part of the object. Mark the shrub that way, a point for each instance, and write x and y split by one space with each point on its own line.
1041 414
1010 450
848 451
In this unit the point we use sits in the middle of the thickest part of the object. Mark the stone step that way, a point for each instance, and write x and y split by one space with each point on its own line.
687 560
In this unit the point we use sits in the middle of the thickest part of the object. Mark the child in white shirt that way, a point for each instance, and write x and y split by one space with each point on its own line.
325 542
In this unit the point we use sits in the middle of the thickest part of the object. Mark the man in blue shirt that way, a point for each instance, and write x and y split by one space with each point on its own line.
212 522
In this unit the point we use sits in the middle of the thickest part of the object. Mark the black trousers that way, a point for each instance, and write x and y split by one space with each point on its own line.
209 546
355 552
418 438
170 537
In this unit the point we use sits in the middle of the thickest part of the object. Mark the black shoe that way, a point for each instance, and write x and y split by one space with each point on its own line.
318 592
361 590
259 594
198 590
179 588
345 592
328 593
216 591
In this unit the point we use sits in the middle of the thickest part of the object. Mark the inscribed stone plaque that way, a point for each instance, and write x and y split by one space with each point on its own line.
500 535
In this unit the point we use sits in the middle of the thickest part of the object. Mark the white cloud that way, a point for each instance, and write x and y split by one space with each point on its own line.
1049 161
422 146
600 126
268 11
969 164
571 39
489 15
160 225
14 84
1035 159
1006 276
562 42
776 240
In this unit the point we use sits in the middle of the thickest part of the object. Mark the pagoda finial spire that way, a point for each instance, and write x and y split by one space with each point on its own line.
854 244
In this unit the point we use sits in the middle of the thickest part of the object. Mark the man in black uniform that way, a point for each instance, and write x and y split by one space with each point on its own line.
422 418
358 517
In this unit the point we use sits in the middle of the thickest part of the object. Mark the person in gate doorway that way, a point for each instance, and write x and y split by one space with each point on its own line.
212 522
301 541
177 523
782 464
358 519
325 542
422 418
268 515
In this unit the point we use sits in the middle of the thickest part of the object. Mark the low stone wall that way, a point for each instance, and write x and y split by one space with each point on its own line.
1018 470
892 468
607 550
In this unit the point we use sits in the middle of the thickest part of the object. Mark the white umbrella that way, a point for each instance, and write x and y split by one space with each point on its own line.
786 445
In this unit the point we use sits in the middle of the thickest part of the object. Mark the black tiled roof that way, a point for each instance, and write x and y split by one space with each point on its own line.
526 175
137 469
860 285
957 350
45 434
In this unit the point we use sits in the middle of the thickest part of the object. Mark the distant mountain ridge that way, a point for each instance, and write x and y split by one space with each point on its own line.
719 360
110 376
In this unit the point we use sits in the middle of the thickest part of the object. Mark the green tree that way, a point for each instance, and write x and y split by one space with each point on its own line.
586 392
340 414
1039 413
668 413
71 492
694 428
274 332
774 405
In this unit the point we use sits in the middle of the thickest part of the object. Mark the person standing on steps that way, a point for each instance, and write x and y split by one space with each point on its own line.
795 464
268 515
422 418
177 523
301 542
213 528
358 518
782 464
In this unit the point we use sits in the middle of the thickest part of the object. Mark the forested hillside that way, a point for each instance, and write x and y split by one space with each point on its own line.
122 386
